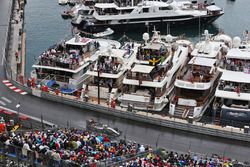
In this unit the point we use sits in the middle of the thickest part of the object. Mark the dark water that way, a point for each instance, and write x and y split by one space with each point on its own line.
45 26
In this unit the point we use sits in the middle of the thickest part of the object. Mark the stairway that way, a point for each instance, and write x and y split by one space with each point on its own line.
179 111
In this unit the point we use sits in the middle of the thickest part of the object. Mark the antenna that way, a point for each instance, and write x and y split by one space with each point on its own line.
199 28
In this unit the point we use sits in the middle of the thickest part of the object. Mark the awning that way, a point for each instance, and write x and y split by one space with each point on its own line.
6 112
142 68
234 76
153 46
236 53
105 5
202 61
23 117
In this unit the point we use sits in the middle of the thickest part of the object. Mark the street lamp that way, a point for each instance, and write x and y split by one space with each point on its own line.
18 111
98 79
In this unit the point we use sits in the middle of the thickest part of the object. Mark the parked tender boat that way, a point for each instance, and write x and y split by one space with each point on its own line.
62 2
107 32
64 65
232 96
195 84
149 13
149 83
108 72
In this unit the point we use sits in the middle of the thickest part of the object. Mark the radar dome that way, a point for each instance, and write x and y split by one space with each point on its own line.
169 38
236 42
206 32
145 36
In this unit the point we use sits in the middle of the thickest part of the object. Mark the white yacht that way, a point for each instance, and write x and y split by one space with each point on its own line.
232 96
195 84
108 71
78 10
64 65
149 13
149 83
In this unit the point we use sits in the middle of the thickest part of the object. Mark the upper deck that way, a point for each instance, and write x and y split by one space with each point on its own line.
198 74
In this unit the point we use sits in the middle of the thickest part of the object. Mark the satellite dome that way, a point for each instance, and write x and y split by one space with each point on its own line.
145 36
169 38
236 42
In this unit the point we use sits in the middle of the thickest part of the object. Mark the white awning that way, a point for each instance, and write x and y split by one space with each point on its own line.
202 61
213 8
80 42
236 53
153 46
235 76
142 68
106 5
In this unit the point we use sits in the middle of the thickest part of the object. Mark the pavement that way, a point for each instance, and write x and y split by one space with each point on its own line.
64 115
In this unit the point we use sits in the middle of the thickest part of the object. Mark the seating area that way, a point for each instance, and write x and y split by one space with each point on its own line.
74 147
50 147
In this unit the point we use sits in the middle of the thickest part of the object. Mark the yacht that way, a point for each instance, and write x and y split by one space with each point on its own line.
80 9
147 13
85 13
108 72
196 82
149 83
63 66
232 102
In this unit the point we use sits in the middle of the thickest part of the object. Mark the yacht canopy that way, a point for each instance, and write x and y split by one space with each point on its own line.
154 46
80 42
213 8
234 76
202 61
106 5
236 53
142 68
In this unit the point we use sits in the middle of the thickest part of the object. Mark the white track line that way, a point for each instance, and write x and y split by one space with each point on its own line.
12 87
1 102
8 84
7 100
5 81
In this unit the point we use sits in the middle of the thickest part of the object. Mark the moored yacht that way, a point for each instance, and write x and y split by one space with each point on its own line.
195 84
63 66
149 13
232 102
149 83
108 72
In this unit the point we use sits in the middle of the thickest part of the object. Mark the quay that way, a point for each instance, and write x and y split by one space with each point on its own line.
195 127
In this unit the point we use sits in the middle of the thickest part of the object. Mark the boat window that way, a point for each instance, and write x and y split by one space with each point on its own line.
166 8
145 10
125 11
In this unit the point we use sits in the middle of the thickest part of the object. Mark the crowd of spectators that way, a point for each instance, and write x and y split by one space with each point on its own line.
74 146
163 158
83 148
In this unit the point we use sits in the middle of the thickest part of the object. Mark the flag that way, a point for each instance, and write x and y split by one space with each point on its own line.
154 61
